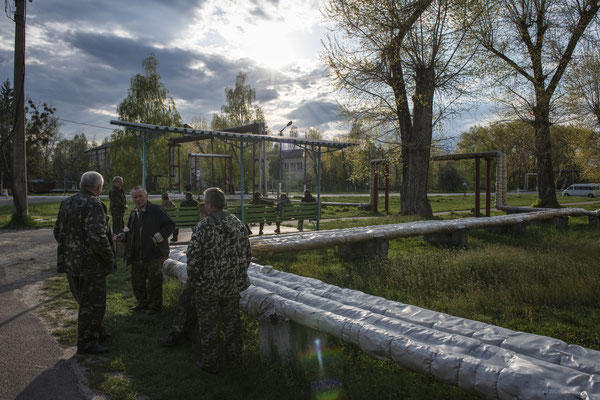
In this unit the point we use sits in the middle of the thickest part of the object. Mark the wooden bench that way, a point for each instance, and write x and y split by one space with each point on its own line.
297 211
257 213
184 217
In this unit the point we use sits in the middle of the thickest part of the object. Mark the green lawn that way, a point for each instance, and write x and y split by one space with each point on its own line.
44 214
544 281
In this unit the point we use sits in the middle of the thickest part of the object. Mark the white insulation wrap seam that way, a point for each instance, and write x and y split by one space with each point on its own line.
480 358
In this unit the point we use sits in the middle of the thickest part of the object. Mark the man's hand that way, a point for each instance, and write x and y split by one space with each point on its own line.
119 238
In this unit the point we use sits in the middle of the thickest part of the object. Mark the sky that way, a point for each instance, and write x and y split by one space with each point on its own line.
81 56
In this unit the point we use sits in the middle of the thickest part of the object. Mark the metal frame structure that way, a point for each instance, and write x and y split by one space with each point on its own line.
228 175
242 141
487 156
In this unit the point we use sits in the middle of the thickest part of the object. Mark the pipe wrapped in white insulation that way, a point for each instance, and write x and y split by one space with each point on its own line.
495 362
336 237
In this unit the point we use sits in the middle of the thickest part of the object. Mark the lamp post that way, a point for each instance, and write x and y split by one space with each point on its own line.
280 169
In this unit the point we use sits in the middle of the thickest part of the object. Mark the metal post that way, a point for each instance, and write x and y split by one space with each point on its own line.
65 183
242 182
171 167
144 161
477 186
178 149
264 144
387 187
375 189
488 185
319 188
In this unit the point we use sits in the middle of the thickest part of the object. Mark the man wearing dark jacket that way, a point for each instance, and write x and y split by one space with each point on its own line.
86 253
147 248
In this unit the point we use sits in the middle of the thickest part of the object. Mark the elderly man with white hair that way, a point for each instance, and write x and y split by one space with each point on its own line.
86 254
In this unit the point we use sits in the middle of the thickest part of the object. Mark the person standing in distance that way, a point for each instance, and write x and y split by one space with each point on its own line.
147 248
86 254
218 257
118 204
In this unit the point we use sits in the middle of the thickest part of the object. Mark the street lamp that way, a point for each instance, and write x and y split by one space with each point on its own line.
280 170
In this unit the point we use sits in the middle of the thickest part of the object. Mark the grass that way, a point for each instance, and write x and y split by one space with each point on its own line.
543 281
43 215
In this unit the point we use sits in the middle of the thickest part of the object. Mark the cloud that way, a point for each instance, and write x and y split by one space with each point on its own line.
314 113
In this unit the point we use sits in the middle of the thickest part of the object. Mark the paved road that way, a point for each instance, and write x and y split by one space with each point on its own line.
32 365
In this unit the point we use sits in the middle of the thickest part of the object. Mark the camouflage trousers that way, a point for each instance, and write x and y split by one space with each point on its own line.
211 312
185 313
146 281
90 294
117 223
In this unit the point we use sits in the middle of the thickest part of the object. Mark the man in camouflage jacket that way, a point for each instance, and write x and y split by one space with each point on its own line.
86 253
189 201
118 204
218 257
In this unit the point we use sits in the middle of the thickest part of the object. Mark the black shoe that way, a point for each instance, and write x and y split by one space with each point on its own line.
139 307
260 233
169 341
104 336
96 349
277 231
173 239
211 370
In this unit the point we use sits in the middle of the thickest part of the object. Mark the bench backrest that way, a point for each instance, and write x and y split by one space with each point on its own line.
254 213
184 216
299 211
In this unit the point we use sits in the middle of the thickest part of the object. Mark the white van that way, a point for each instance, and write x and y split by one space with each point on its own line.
583 189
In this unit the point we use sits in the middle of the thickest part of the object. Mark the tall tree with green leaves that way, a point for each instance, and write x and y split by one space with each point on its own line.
401 63
531 44
147 102
239 110
70 159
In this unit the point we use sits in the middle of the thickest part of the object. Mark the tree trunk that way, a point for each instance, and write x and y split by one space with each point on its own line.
416 148
543 153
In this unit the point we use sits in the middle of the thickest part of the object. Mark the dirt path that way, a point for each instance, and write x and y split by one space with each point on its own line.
32 364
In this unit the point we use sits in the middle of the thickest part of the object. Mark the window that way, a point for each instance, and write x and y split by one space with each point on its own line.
293 167
299 166
286 166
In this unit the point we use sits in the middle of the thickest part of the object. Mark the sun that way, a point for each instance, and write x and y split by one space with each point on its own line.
270 45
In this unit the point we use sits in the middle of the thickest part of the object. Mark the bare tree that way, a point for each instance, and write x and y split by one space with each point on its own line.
393 55
532 43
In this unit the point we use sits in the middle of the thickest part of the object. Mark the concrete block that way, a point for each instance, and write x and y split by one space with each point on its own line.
593 220
555 222
374 248
519 227
281 338
457 238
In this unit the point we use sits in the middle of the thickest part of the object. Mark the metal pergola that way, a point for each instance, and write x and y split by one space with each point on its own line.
313 147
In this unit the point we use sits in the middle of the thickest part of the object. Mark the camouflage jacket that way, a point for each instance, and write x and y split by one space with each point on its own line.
167 204
118 202
218 255
189 203
84 237
262 201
